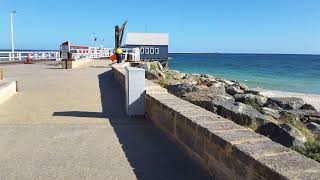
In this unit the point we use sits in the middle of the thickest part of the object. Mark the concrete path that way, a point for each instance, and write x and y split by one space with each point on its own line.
70 124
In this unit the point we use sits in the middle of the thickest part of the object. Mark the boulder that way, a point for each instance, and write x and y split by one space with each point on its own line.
241 85
315 129
251 99
233 89
250 91
238 112
160 67
308 107
283 134
299 138
313 126
271 104
288 102
143 66
270 112
152 75
226 82
304 115
181 89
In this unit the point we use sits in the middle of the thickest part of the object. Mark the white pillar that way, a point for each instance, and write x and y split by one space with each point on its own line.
135 89
12 37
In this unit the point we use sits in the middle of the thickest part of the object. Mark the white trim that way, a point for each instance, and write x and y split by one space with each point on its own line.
142 50
151 39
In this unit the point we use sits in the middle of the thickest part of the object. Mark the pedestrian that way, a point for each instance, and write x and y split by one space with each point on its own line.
119 53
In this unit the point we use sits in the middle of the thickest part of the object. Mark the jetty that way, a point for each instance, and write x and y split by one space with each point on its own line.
74 124
71 124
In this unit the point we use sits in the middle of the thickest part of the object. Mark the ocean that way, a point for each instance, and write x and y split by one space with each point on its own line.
276 72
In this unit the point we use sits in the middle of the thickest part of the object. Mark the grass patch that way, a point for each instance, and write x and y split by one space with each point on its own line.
153 67
253 103
291 119
253 126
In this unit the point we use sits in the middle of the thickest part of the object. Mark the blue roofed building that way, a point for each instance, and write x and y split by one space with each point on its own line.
153 46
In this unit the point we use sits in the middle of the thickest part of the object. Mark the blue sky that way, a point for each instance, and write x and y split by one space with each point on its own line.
253 26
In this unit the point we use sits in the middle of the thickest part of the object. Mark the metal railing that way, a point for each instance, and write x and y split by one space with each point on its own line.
129 54
34 55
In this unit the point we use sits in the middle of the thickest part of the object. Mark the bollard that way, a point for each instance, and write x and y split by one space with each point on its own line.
1 74
28 59
17 87
135 87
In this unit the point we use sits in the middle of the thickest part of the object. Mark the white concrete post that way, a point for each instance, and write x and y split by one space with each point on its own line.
135 88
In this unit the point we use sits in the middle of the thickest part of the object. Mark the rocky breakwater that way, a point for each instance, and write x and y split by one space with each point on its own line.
287 120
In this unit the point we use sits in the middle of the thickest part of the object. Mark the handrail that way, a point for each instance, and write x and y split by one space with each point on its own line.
55 55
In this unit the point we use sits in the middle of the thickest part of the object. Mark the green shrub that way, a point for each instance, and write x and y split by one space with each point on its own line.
311 150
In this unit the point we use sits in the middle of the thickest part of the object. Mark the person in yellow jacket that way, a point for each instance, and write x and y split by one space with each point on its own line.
119 53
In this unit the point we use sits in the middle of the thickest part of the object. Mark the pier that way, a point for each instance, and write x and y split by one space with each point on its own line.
71 124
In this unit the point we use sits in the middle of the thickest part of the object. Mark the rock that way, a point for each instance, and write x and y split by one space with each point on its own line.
233 89
251 99
313 126
160 73
283 134
242 86
203 80
238 112
226 82
152 75
304 115
270 112
160 67
250 91
186 76
143 66
315 129
308 107
204 76
273 105
288 102
299 138
181 89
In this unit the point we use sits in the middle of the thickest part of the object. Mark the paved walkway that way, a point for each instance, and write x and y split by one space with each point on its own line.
70 124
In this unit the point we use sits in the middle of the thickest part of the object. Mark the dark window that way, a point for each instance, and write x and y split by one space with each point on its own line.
156 50
146 51
151 50
142 50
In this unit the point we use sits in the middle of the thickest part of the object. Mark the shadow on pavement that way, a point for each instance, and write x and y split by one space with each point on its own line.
150 153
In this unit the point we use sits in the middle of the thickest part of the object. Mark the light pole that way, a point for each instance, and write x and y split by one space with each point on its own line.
12 38
93 38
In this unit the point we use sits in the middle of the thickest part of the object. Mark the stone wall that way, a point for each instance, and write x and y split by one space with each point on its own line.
225 149
7 90
73 63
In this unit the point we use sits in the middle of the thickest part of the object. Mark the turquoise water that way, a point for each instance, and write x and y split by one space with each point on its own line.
290 73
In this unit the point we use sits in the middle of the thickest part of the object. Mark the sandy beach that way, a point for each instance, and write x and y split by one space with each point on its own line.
312 99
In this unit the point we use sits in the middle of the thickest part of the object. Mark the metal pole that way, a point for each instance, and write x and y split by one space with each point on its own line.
12 37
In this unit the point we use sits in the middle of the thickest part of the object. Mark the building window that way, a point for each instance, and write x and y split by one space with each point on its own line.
156 50
142 50
146 51
151 50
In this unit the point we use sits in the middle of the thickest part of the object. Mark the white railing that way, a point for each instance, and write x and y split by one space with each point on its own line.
34 55
129 54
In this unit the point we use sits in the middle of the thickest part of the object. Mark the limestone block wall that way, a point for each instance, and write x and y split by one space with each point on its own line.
7 90
226 150
74 64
